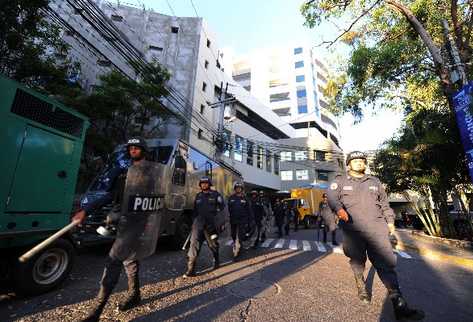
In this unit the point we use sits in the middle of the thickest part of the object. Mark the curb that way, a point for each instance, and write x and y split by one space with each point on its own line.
461 244
460 261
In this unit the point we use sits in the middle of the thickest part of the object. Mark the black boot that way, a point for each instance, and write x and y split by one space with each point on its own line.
334 238
361 287
216 260
190 269
133 296
402 311
98 305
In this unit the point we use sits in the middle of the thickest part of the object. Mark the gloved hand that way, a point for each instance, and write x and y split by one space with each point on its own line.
342 215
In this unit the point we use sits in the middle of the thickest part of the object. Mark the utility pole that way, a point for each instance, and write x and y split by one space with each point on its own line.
458 71
220 140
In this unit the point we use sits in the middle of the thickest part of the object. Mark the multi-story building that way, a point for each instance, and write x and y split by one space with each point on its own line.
291 81
189 50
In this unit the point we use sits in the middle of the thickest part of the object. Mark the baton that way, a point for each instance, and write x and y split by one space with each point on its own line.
45 243
187 241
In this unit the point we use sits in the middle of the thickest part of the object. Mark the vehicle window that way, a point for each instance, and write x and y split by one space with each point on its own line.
180 169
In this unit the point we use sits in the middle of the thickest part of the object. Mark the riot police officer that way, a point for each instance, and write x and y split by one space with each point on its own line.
280 216
327 220
259 213
208 203
123 252
366 219
241 217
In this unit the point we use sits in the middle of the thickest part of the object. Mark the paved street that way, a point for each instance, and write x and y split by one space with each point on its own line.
294 279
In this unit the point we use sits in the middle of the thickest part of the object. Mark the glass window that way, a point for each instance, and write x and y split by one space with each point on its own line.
276 164
320 155
278 97
300 155
226 136
206 64
202 108
322 175
286 156
259 157
297 50
299 64
300 78
301 93
204 86
302 174
268 161
301 109
238 152
249 152
286 175
174 30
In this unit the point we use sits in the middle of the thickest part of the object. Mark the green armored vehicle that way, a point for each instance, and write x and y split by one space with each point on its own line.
41 144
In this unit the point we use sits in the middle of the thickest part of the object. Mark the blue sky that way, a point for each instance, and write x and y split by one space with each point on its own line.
247 24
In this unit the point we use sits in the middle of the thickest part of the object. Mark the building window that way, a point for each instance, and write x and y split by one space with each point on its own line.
259 158
279 97
301 93
300 78
297 50
174 30
238 152
249 152
226 137
322 175
286 175
286 156
200 134
155 48
208 43
268 161
302 174
276 163
202 108
206 64
301 109
248 87
300 155
117 18
320 155
299 64
204 86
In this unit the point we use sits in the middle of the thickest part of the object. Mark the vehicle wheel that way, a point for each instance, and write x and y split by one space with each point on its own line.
45 270
183 229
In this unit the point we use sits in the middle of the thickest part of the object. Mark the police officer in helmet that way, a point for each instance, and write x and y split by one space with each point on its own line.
241 217
119 254
208 203
361 204
259 213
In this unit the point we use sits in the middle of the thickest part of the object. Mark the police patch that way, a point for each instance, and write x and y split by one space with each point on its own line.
347 188
333 186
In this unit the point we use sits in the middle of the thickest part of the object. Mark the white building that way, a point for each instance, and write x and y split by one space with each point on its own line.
189 50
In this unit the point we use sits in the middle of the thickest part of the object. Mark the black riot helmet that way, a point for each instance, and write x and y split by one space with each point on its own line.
355 155
238 184
205 179
137 141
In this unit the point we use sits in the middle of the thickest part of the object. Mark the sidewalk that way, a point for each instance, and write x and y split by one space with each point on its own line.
458 256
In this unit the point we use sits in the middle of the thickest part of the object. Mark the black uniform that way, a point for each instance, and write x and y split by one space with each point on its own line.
366 232
280 214
259 213
241 219
327 221
206 206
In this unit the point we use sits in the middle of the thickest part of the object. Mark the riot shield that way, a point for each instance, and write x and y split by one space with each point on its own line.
141 212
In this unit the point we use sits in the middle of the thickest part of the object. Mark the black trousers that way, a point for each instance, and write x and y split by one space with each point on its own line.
112 271
197 238
359 246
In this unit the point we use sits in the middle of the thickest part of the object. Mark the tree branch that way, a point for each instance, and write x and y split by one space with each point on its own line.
457 29
364 13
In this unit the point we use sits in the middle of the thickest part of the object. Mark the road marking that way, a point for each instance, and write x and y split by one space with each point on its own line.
293 244
229 242
337 250
320 247
267 242
306 245
279 244
403 254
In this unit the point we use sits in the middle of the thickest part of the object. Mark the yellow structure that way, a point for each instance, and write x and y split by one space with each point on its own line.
307 201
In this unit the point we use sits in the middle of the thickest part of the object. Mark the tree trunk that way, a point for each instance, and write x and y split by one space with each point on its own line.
440 199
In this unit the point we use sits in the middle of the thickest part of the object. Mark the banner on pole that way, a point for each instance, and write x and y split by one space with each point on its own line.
462 101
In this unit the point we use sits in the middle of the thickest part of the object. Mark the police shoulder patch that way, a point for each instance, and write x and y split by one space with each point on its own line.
333 186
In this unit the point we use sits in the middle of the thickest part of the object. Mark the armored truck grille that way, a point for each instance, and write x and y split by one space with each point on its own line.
33 108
